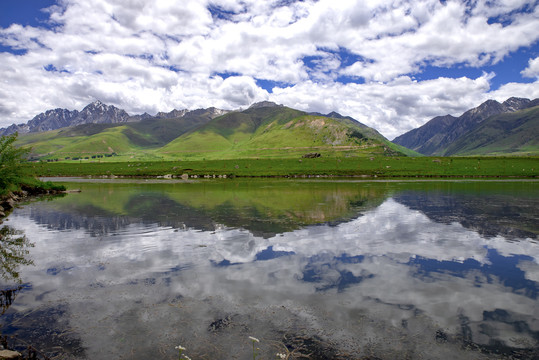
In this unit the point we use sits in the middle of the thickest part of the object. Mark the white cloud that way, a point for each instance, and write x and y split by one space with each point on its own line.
240 91
526 90
447 36
391 108
532 71
150 56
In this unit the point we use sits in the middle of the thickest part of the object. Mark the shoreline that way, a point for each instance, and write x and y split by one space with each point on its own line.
12 199
178 180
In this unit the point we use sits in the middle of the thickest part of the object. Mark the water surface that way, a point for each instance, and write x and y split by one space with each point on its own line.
329 269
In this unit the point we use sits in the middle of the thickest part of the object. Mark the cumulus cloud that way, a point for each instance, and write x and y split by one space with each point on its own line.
241 91
355 57
393 107
526 90
532 71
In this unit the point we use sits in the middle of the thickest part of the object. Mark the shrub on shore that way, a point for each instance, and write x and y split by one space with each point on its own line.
12 176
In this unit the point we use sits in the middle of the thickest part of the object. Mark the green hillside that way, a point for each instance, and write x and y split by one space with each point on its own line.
258 132
514 133
73 143
159 132
272 132
125 141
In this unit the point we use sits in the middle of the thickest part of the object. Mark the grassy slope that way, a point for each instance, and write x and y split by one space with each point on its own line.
510 133
267 132
132 139
55 144
221 137
159 132
43 143
276 132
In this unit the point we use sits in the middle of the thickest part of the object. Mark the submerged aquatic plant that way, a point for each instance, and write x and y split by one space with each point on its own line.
254 340
181 349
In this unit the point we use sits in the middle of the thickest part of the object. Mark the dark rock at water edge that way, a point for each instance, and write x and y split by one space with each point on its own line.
9 201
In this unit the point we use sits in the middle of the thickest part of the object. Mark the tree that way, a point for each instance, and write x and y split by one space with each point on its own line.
10 160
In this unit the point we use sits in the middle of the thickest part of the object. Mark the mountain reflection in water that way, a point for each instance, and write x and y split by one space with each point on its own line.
334 269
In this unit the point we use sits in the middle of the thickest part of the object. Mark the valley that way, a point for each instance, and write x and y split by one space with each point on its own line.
273 140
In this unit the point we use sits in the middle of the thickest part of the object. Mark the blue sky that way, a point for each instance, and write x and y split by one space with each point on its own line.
24 12
391 64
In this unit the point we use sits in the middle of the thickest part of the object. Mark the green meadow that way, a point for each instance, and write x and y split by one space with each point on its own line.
376 166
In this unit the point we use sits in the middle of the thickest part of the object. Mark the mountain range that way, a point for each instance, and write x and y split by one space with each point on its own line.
263 130
267 129
96 113
511 127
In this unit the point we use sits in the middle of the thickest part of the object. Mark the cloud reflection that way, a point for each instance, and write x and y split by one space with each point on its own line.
383 275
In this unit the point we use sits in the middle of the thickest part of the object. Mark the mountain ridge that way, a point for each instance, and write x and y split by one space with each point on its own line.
438 134
256 128
515 132
263 130
94 113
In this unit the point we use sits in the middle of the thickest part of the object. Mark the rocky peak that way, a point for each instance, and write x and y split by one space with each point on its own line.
214 112
172 114
480 113
140 117
492 107
262 104
515 104
335 115
96 112
99 113
437 134
96 107
13 128
534 102
210 113
97 104
488 106
52 119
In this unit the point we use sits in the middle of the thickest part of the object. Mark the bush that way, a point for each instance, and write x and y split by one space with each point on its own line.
10 160
51 186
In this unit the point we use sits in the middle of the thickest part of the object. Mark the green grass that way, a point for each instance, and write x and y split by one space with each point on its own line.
30 183
53 145
379 166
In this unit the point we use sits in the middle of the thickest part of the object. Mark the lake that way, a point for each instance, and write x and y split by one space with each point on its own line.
330 269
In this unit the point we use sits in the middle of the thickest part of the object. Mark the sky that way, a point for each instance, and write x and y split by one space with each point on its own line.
390 64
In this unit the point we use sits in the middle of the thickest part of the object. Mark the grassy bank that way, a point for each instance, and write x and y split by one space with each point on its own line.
385 167
13 178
